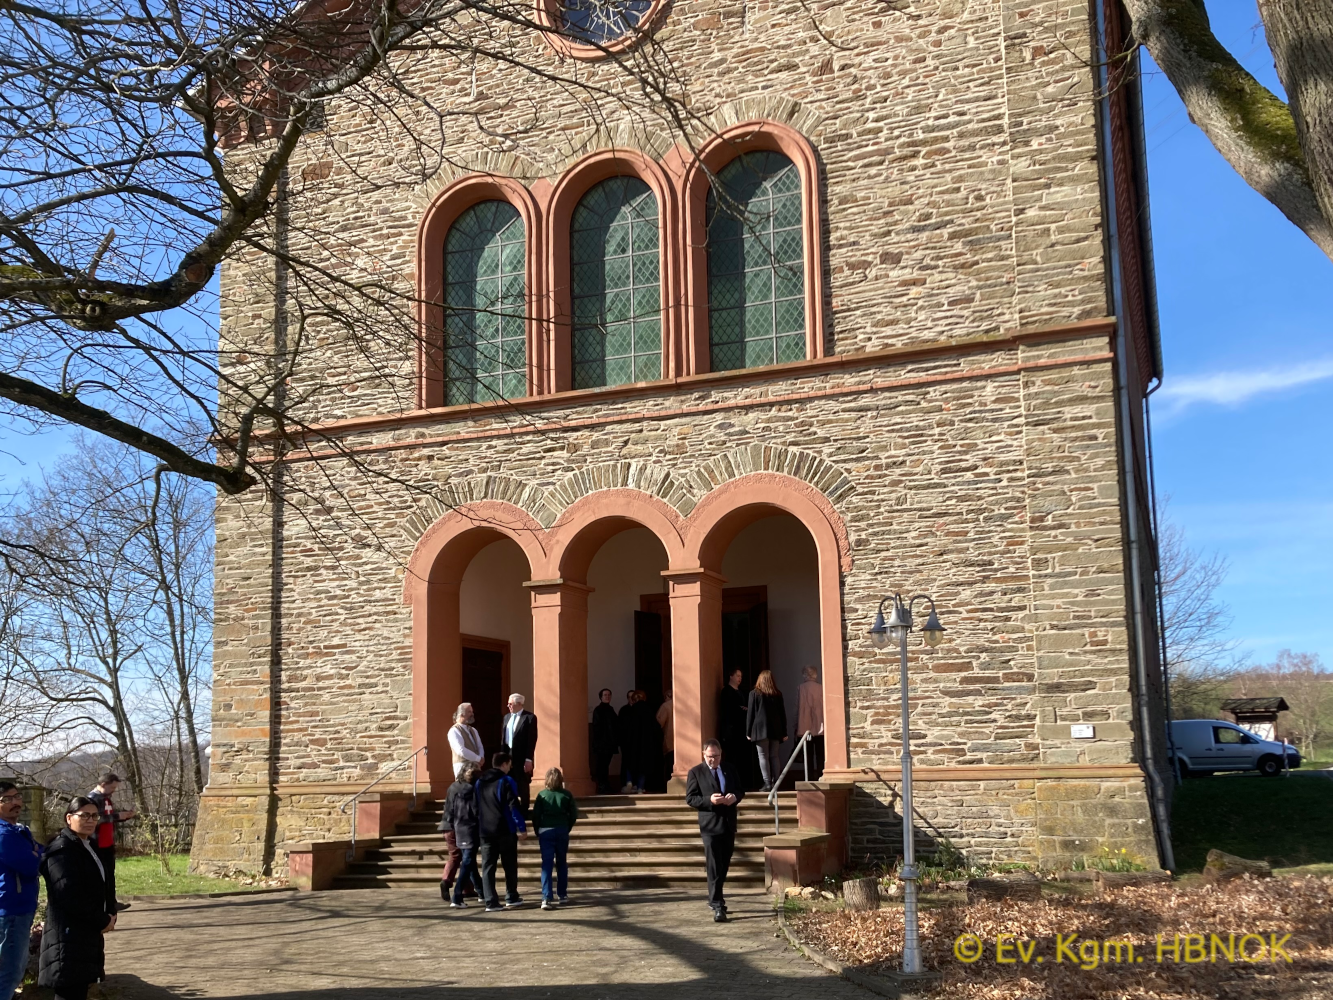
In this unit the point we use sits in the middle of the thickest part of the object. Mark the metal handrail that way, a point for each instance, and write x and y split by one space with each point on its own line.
413 760
773 793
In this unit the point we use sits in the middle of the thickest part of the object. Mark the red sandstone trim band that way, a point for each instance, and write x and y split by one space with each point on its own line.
988 772
616 418
860 775
792 369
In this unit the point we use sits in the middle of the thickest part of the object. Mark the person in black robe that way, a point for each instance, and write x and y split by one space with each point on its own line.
605 740
646 735
731 729
627 737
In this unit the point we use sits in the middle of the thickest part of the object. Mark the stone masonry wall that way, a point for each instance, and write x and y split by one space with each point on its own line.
970 489
957 144
1043 822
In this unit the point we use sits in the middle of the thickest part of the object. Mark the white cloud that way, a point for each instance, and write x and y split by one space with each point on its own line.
1234 388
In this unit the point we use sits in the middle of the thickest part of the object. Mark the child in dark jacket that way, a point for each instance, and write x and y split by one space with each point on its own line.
460 820
554 814
500 827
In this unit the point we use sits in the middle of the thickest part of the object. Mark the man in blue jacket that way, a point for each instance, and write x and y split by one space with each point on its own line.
19 858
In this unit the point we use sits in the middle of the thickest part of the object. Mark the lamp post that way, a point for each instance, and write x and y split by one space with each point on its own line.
882 633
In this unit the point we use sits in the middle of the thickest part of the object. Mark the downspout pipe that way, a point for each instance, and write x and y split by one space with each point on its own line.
1159 803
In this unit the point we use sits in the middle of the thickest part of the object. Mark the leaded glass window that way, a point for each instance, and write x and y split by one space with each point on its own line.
485 343
616 276
756 266
600 22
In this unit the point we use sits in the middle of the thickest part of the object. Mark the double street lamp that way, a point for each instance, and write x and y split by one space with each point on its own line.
883 634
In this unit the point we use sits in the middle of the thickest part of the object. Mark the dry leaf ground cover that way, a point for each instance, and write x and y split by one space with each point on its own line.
1107 948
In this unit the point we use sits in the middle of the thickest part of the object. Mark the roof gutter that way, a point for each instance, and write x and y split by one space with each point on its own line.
1159 804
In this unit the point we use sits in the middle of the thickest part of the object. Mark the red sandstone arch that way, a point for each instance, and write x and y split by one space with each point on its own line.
712 526
572 186
448 205
433 580
560 617
696 173
558 560
589 522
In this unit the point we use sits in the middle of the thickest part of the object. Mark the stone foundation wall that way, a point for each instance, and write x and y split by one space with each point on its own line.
237 830
1047 822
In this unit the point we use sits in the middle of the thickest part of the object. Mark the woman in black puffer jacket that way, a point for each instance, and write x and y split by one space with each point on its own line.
76 917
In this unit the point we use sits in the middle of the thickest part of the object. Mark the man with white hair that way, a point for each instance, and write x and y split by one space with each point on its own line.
518 737
464 740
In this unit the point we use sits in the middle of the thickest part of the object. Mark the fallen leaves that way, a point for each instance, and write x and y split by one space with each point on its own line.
1301 907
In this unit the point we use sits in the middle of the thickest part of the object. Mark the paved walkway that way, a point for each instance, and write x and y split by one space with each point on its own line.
372 944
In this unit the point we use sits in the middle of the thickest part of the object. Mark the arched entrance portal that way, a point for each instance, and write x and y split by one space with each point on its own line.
751 576
505 543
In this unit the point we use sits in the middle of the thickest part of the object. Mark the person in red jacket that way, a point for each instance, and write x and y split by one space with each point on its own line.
104 840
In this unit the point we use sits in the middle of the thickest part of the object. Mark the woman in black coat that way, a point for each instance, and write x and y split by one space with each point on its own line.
76 916
766 725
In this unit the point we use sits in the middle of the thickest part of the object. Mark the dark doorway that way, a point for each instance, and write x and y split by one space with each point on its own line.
486 684
651 657
745 633
744 636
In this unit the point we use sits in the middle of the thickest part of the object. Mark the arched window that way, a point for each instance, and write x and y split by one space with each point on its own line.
756 267
485 346
616 278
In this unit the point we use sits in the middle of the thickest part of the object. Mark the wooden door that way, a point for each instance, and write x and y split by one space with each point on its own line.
486 685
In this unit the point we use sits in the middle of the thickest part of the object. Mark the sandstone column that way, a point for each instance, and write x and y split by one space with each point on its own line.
560 681
696 662
437 681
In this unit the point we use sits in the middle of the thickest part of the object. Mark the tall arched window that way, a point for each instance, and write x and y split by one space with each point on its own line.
616 276
485 346
756 267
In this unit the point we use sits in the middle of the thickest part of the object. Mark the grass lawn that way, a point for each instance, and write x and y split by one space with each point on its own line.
143 876
1288 821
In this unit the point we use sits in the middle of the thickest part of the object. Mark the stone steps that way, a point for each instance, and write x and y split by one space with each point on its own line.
621 841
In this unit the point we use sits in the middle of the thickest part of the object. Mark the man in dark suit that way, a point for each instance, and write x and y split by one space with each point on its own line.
518 736
714 789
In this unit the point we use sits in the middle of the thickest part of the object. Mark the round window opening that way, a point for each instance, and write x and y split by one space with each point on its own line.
601 22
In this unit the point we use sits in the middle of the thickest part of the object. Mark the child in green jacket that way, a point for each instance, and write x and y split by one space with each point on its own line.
554 813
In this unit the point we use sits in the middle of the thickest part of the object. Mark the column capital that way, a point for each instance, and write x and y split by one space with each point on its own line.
557 585
696 575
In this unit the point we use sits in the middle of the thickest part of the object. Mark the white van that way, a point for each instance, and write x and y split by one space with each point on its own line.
1207 745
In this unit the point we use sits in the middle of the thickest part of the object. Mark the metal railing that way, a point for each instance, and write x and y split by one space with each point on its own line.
421 751
803 744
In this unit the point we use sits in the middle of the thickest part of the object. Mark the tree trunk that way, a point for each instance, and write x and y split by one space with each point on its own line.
1011 885
1300 33
1119 880
861 894
1222 867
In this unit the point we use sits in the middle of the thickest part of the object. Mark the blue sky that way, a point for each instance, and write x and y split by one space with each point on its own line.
1243 438
1242 423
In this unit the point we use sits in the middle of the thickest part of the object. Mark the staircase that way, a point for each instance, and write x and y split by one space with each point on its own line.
620 841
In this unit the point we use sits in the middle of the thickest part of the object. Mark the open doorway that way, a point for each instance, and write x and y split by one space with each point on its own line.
744 638
486 685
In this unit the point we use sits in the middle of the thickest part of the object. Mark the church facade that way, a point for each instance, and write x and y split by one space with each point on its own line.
883 323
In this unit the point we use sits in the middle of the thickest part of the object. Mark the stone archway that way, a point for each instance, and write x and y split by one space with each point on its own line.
712 526
559 552
432 589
